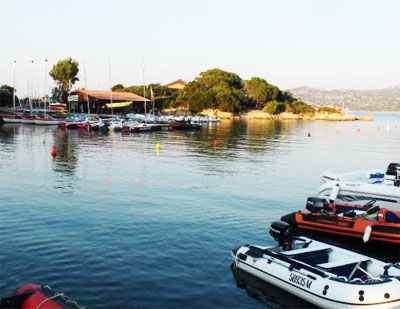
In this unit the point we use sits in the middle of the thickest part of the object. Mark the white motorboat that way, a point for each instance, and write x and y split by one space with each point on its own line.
364 186
372 176
322 274
11 119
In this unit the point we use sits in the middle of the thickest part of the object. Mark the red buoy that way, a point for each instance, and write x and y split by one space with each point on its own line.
53 152
215 144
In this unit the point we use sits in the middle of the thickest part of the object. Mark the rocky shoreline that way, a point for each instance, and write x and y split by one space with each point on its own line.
259 114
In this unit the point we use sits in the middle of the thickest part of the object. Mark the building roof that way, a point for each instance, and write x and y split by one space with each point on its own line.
178 84
105 95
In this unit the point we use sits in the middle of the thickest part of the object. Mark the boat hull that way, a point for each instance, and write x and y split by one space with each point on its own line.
28 120
32 296
362 193
314 286
381 232
47 122
11 119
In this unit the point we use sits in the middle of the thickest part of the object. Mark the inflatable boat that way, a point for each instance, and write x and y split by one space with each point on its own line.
368 223
34 296
321 274
364 186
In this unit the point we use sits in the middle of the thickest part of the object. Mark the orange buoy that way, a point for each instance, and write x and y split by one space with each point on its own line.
358 129
53 152
215 143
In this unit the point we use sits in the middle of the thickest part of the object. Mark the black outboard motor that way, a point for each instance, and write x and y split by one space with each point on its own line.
315 204
393 169
280 232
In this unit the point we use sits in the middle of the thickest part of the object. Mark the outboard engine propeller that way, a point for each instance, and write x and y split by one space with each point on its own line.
280 232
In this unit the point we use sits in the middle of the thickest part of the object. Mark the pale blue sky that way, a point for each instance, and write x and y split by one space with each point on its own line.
352 44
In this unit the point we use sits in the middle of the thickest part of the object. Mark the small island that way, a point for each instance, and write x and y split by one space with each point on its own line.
214 93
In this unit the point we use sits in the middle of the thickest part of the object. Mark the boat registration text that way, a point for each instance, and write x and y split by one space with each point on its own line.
299 280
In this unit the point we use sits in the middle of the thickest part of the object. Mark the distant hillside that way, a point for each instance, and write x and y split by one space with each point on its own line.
387 99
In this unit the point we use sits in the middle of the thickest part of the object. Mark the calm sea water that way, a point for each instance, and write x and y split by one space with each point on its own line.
113 223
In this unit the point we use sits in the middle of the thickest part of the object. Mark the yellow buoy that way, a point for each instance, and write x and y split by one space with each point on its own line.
283 137
158 146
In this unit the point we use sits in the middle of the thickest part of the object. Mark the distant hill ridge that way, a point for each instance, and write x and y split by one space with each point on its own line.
387 99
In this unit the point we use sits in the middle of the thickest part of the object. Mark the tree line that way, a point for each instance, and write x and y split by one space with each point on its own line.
212 89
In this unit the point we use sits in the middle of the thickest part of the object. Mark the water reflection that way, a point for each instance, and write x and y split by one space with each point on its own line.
266 293
234 137
66 159
8 132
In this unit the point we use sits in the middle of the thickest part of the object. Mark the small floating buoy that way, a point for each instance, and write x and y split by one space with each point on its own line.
358 129
158 146
309 134
53 152
44 141
379 128
337 131
215 143
283 137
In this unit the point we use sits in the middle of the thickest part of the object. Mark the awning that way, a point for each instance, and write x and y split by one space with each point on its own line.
118 104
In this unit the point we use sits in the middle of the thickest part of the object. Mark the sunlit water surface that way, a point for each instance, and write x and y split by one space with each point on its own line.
113 223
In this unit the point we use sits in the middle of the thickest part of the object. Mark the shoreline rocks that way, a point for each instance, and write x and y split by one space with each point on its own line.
259 114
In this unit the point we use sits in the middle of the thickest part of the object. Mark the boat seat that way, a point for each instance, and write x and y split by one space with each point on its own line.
340 263
293 253
310 256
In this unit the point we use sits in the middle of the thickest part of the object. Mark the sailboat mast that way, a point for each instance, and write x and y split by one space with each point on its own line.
88 103
31 89
109 80
144 90
15 62
45 88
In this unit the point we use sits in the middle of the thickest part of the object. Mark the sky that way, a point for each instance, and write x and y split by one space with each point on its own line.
329 44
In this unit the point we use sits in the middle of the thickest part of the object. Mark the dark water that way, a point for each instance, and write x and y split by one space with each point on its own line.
113 223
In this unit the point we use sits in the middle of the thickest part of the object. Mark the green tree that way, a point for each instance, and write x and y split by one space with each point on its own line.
285 96
216 77
117 87
6 96
198 97
260 91
216 89
275 107
300 107
64 74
